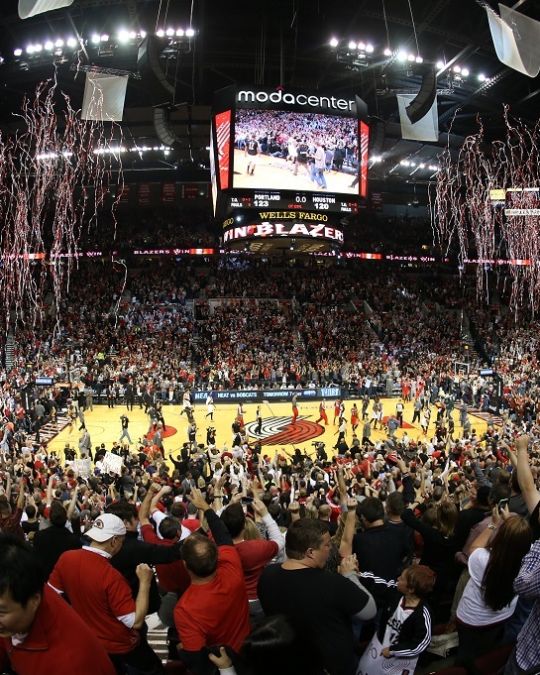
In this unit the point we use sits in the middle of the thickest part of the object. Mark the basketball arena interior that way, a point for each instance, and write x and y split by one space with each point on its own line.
269 337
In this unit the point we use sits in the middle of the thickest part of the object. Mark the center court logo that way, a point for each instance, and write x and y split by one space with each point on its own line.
280 431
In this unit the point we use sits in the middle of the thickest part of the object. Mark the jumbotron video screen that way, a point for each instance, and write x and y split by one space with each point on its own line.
287 150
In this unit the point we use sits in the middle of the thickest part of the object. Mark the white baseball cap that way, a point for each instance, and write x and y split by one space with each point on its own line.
106 527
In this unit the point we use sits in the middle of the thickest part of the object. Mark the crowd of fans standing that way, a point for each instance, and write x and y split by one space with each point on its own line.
257 562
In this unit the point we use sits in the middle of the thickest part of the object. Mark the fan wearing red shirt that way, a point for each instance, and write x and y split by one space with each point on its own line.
173 576
102 597
214 609
41 634
10 521
254 554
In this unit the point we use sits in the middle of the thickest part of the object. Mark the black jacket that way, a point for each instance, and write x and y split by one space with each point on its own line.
134 552
49 544
415 634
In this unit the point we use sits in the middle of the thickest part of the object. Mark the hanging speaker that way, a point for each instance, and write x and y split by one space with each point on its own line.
163 127
422 102
149 65
28 8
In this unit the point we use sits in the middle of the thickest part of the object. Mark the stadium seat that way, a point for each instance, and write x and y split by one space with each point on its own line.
494 661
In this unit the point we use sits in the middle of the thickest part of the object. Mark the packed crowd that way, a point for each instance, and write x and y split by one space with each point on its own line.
293 136
346 562
339 563
202 325
151 227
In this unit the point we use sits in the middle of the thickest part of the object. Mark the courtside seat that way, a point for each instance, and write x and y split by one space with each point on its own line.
493 662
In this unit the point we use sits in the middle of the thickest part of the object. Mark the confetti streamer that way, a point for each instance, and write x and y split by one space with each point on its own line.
463 212
56 178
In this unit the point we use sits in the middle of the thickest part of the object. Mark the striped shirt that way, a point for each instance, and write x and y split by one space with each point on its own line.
527 585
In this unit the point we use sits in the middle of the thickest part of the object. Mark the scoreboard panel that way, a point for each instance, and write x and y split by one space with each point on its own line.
277 200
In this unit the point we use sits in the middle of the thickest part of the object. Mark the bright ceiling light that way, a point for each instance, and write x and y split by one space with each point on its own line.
190 32
49 45
169 32
401 55
122 36
71 42
334 42
59 43
17 52
419 59
30 49
440 65
481 77
104 37
95 38
465 72
411 57
132 34
180 32
421 166
387 52
361 46
143 33
352 44
457 69
160 33
370 48
38 48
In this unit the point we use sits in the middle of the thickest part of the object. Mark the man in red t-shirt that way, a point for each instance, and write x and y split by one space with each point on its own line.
254 554
173 577
39 632
214 609
102 597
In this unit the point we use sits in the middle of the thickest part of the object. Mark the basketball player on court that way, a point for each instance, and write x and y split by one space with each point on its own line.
294 408
322 413
251 152
339 409
354 417
240 415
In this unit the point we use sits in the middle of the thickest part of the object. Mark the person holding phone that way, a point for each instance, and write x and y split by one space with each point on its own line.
489 598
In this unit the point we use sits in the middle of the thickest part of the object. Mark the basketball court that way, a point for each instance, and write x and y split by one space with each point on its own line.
104 426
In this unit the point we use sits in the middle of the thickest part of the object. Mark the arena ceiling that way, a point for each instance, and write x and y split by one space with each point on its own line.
275 43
